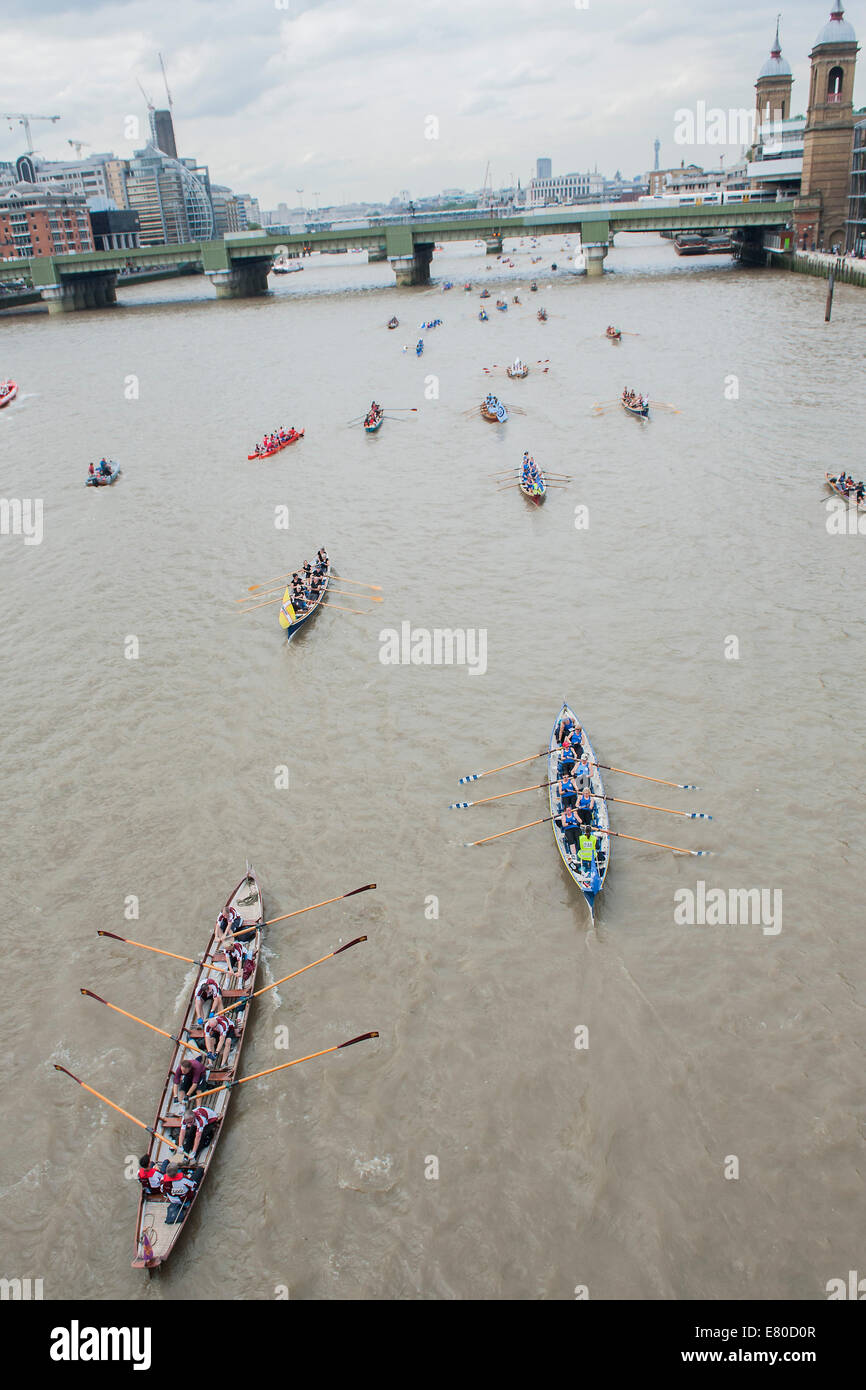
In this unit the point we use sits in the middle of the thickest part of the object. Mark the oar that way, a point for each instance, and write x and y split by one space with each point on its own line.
344 579
339 608
299 910
256 1074
401 407
173 1036
155 1132
698 853
292 976
474 776
223 969
345 593
681 786
689 815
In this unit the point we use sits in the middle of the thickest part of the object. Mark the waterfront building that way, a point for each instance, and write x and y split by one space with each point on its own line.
821 211
225 210
248 211
543 168
856 238
566 188
114 229
172 198
40 221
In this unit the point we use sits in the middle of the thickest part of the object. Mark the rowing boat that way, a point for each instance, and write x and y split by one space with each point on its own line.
501 305
292 625
614 334
393 323
517 371
371 426
483 317
155 1238
533 287
496 414
8 392
590 884
485 294
640 411
542 316
292 438
100 480
833 484
535 492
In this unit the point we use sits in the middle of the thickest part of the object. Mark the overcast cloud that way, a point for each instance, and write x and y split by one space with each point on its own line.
333 97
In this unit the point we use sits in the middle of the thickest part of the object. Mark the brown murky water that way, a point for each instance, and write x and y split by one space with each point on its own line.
558 1164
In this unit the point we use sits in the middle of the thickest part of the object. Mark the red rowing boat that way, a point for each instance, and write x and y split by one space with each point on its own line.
291 438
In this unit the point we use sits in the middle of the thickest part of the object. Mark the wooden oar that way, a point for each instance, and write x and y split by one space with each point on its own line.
681 786
344 593
268 603
299 910
155 1132
698 853
344 579
474 776
256 1074
173 1036
646 805
292 976
222 969
340 609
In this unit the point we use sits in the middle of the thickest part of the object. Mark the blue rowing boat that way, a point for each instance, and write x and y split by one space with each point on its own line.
100 480
294 625
590 884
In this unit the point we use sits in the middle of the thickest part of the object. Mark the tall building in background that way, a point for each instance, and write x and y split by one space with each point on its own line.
821 211
773 87
225 210
39 221
162 132
856 242
657 144
248 210
543 168
776 157
172 198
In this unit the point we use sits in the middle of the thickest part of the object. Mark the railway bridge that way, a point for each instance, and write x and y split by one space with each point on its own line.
238 266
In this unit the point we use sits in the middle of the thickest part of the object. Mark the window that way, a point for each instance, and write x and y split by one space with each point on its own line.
834 85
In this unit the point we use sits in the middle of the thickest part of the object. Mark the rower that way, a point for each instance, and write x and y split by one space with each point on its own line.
221 928
219 1033
178 1185
207 1000
564 727
570 824
197 1128
583 772
150 1174
92 471
586 807
567 792
567 760
238 927
187 1078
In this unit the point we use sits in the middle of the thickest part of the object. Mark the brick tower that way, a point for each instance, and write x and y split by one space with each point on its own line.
821 209
773 88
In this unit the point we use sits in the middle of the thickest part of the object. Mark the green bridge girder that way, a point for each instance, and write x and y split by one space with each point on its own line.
399 238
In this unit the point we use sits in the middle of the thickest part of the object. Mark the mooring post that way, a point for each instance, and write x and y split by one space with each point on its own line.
830 287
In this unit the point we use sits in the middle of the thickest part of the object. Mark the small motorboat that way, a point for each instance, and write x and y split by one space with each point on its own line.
99 479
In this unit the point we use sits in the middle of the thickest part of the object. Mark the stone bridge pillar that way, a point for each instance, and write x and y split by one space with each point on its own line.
414 269
595 254
96 290
242 280
493 245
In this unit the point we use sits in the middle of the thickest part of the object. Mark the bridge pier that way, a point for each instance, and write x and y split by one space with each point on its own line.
594 255
242 280
94 291
414 269
493 245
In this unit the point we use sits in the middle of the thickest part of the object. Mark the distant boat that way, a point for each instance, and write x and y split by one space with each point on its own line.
282 266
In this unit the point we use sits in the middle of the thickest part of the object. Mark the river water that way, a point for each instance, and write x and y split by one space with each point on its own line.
646 1108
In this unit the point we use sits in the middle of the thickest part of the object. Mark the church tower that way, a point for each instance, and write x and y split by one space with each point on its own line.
773 88
828 143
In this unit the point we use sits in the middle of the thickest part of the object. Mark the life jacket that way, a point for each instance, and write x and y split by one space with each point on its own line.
144 1176
587 848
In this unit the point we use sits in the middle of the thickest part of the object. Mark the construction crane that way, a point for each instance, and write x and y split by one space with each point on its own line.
150 105
24 118
165 80
79 145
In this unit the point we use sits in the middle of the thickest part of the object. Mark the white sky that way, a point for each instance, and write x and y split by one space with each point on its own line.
332 96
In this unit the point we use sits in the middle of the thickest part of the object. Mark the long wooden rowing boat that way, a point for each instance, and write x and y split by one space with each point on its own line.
8 392
840 491
293 626
535 492
496 415
640 411
154 1237
615 334
393 323
374 425
517 375
542 316
592 883
284 444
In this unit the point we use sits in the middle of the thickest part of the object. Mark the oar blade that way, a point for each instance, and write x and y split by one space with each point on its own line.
356 942
362 1037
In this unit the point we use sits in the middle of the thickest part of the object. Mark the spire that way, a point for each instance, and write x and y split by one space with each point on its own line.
776 50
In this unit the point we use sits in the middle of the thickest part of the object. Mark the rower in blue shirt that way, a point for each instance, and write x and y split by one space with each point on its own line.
585 807
567 760
571 828
567 792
